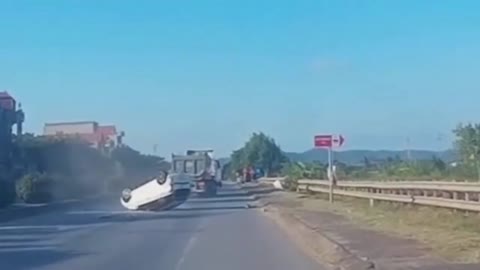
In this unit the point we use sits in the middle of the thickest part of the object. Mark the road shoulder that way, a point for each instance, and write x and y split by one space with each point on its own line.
335 240
318 245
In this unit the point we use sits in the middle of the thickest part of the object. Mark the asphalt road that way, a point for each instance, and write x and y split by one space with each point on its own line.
219 233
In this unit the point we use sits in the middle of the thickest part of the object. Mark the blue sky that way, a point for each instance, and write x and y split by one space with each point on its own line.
207 73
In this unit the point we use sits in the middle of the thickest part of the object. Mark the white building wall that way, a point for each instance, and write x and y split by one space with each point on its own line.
70 128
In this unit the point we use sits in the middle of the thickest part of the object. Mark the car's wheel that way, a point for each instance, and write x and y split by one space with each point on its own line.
126 195
162 177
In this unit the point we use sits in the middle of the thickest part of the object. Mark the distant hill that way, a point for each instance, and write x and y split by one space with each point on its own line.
358 156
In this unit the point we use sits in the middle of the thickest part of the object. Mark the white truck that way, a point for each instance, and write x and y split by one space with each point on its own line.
203 167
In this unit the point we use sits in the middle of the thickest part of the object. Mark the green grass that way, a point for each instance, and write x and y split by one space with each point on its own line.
451 234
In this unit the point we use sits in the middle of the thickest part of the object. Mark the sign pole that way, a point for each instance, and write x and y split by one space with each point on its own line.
330 175
328 141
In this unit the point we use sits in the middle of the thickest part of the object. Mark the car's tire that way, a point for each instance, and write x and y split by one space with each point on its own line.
162 178
126 195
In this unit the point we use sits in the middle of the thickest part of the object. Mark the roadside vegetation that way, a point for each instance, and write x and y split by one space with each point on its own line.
260 151
454 235
46 169
465 168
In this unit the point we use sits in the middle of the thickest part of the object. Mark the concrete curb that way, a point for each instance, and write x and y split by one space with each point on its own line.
325 250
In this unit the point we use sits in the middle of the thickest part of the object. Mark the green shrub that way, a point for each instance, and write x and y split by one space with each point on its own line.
290 183
34 188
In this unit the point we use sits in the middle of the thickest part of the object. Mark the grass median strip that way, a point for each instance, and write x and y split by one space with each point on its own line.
452 234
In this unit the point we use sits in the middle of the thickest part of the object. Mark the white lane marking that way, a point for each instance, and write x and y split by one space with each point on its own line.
187 249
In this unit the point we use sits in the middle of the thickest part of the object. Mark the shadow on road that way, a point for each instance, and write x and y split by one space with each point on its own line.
32 246
11 231
30 243
18 212
236 199
248 190
246 195
259 190
147 216
210 208
237 195
29 248
24 258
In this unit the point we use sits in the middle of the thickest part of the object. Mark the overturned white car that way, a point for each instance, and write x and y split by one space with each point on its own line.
163 192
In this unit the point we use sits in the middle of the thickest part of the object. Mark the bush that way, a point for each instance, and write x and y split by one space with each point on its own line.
290 183
292 172
66 168
34 188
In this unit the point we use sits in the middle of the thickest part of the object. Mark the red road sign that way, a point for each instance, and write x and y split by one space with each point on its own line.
328 140
323 141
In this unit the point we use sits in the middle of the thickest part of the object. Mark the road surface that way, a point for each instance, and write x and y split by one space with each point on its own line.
219 233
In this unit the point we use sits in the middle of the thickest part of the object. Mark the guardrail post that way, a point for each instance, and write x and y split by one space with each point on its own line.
372 202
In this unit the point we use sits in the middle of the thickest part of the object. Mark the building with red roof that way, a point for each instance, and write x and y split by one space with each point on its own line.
89 131
7 102
9 117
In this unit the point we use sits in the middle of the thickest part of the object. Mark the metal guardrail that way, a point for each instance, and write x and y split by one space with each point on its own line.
426 201
453 195
402 185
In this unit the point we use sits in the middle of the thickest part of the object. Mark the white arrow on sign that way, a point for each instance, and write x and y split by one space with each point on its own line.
338 140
